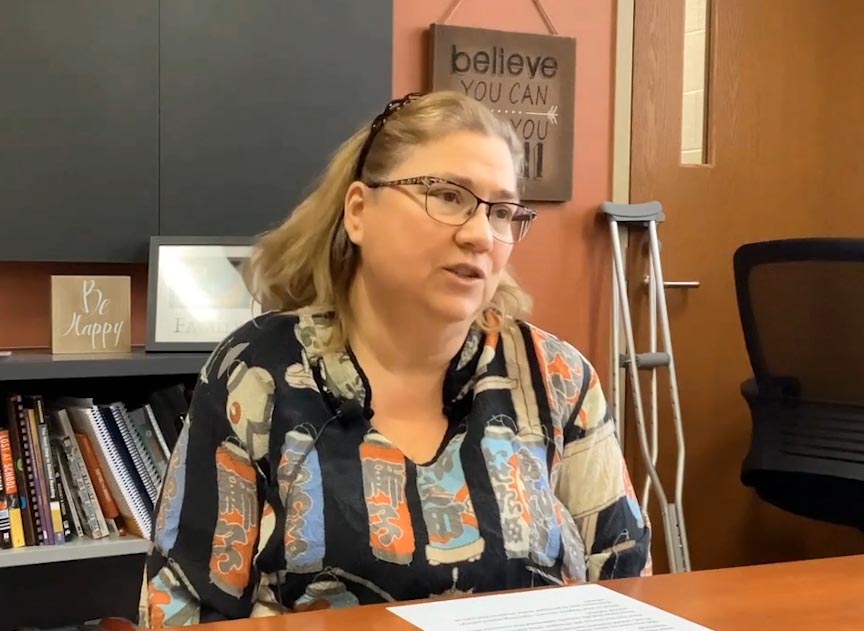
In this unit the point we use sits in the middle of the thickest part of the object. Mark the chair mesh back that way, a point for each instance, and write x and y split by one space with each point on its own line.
802 307
809 318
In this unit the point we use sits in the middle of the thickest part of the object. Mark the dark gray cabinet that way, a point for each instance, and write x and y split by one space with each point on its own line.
122 120
79 139
255 96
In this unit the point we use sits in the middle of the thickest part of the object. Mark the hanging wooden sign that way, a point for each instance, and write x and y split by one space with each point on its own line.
527 79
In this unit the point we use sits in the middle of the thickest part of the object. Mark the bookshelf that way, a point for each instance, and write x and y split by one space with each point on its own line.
74 551
87 579
33 365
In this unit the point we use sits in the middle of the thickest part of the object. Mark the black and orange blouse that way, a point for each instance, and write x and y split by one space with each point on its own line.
281 495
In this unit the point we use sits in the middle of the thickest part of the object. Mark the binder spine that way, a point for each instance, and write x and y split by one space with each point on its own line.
143 464
139 424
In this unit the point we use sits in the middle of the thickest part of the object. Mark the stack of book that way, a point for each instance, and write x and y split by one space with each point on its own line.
77 468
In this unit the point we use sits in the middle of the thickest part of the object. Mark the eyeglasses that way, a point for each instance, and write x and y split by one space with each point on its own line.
392 107
452 204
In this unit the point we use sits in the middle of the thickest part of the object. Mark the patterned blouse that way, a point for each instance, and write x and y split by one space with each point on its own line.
528 487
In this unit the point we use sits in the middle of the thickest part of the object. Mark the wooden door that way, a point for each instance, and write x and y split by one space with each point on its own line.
784 135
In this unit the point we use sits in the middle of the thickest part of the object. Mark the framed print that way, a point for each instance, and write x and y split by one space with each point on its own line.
197 292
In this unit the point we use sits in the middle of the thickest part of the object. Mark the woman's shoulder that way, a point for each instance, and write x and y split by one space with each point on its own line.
568 379
266 329
551 349
284 326
266 341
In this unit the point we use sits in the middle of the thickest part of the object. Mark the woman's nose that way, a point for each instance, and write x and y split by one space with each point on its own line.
477 231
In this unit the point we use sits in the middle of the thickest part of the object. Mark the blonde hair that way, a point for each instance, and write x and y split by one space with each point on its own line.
308 261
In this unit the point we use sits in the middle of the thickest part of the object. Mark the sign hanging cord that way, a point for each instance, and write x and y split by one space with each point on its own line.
538 4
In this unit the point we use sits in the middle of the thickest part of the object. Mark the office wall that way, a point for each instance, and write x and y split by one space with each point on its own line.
564 261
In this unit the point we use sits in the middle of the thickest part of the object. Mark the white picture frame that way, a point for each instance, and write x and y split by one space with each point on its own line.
196 292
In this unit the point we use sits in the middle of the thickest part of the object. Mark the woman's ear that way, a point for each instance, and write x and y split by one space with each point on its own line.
352 219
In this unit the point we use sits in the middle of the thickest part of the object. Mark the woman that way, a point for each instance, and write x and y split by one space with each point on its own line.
393 429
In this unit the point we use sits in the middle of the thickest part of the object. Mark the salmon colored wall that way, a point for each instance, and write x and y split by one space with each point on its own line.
25 300
564 263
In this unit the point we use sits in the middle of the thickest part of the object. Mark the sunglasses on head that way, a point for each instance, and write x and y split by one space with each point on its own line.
392 107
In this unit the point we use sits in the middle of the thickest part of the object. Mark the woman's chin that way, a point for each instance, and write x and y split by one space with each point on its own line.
453 310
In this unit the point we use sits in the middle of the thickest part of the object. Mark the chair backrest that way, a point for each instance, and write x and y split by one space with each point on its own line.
801 303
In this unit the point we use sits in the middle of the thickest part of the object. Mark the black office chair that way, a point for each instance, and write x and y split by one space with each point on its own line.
801 303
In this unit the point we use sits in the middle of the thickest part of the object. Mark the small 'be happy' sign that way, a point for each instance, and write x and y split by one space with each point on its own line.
90 314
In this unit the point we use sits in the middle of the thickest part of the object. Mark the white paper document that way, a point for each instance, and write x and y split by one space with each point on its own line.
576 608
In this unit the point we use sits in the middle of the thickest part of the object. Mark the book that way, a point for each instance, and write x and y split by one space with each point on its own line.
69 491
97 475
50 472
38 469
10 483
5 523
93 520
65 507
20 471
19 426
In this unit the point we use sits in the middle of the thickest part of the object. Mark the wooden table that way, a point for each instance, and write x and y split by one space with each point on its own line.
826 594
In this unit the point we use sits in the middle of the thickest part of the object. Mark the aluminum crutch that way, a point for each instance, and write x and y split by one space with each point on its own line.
632 217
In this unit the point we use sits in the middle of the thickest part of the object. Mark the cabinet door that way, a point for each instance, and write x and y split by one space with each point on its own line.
255 95
78 129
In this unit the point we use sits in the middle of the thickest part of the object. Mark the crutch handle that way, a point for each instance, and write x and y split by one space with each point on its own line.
627 213
646 361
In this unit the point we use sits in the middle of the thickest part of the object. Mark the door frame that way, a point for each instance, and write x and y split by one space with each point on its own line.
623 100
621 142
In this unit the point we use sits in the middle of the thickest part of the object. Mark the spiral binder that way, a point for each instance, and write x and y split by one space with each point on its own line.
140 457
